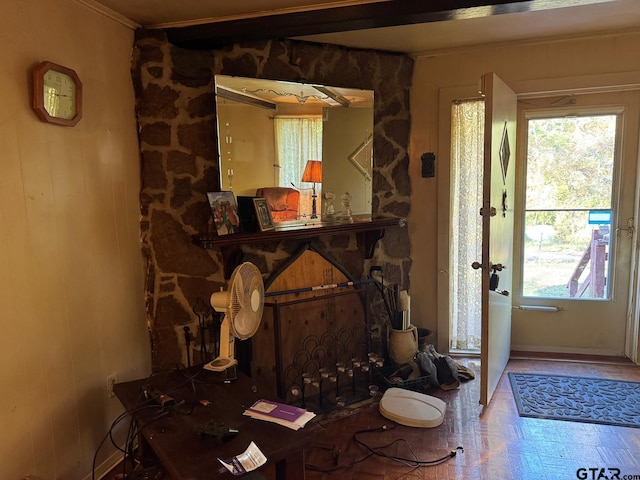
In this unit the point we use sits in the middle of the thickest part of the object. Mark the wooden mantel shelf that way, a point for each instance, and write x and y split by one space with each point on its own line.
369 232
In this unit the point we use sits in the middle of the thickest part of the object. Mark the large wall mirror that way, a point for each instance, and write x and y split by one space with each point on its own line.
271 133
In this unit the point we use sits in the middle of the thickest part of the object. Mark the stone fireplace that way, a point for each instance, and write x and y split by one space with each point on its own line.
175 109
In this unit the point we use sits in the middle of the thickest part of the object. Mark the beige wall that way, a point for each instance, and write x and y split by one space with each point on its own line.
344 131
71 281
541 67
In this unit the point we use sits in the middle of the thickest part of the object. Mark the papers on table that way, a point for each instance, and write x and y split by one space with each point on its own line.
247 461
280 413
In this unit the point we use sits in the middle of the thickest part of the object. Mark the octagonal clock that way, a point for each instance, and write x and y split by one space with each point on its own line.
57 94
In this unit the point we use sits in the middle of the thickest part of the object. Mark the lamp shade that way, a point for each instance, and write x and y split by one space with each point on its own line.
312 172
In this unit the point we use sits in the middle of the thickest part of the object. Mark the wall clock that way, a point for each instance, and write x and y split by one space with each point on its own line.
57 94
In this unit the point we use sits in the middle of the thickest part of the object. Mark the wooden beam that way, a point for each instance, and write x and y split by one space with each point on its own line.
355 17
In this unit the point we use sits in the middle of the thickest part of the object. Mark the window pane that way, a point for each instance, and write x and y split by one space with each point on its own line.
565 256
570 162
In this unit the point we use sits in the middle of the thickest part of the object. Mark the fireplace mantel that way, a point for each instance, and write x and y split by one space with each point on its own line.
369 231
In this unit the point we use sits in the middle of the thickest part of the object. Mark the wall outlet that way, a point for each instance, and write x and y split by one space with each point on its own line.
111 381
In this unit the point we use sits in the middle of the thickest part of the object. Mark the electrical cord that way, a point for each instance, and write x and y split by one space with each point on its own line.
144 403
378 451
335 453
109 433
406 461
128 450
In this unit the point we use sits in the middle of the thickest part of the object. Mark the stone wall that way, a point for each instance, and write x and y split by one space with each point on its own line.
179 161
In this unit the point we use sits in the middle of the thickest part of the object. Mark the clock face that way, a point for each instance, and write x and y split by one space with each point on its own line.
59 94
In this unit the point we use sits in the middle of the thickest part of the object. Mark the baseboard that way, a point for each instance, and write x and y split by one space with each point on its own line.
605 352
106 466
568 354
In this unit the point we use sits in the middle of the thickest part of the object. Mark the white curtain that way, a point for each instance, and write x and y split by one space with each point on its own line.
467 137
298 139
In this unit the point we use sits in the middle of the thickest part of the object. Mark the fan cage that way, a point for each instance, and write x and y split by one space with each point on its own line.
245 301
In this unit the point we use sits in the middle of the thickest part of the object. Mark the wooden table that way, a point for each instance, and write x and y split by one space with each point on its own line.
185 454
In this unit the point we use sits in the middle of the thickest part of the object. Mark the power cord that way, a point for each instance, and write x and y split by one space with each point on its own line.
378 451
127 449
150 398
412 462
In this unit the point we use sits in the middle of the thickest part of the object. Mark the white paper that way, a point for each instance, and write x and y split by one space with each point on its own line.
248 461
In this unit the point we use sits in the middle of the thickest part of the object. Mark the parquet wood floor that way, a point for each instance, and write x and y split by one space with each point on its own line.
498 444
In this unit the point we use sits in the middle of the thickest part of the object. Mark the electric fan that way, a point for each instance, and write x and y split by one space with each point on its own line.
242 305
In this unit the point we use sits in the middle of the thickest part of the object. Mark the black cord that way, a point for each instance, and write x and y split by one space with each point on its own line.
406 461
377 451
143 403
109 433
335 454
128 451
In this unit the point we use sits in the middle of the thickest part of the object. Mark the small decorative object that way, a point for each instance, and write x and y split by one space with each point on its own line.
57 94
265 221
346 206
313 174
329 210
225 212
505 152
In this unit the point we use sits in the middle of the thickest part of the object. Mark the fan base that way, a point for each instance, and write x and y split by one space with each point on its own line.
220 364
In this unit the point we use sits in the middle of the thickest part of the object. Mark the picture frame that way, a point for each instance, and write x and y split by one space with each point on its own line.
263 214
247 213
224 210
361 157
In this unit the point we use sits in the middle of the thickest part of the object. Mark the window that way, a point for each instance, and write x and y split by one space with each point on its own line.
298 139
568 206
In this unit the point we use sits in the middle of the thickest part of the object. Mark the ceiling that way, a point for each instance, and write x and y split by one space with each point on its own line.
406 26
270 93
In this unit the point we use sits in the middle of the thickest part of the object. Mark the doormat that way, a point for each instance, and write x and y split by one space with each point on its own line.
577 399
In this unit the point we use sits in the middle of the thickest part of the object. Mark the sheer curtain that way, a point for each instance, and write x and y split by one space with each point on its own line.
298 139
467 137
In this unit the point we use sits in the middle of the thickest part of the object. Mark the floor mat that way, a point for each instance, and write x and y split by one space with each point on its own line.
577 399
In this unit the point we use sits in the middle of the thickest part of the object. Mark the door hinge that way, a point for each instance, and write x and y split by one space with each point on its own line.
630 228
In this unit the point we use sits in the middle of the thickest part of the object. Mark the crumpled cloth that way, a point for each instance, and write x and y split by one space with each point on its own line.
442 370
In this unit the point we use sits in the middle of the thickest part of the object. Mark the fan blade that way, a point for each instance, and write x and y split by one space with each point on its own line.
242 328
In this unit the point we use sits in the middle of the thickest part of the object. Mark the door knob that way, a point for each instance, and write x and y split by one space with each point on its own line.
491 212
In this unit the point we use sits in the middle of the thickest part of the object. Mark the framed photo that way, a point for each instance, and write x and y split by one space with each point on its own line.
225 212
263 214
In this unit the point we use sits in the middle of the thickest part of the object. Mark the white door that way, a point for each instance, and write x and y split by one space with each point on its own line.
497 231
576 232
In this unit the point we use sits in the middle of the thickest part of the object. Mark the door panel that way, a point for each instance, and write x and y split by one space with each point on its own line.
583 325
497 229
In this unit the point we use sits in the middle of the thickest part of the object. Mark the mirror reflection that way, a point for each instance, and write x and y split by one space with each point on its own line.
306 148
